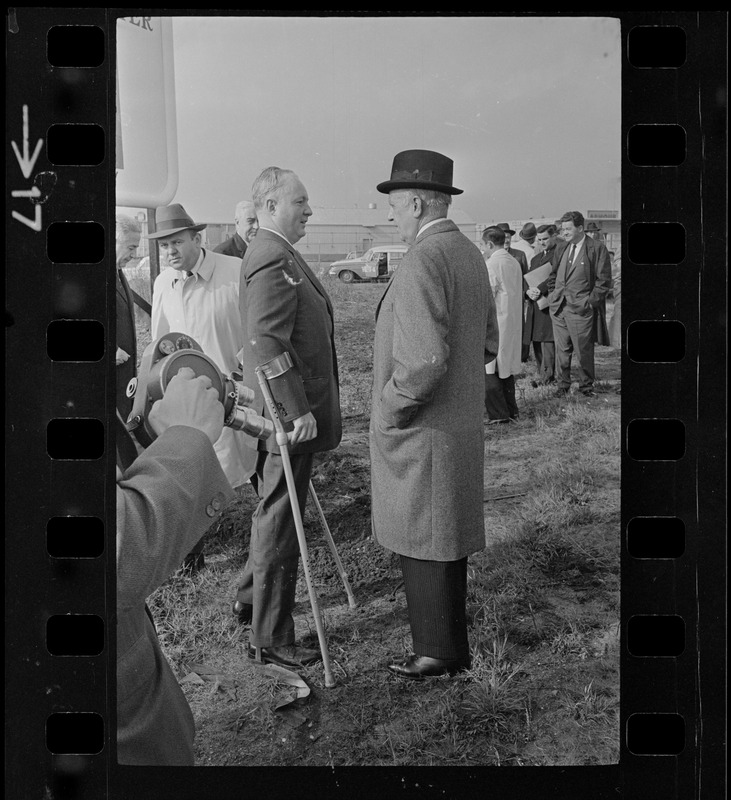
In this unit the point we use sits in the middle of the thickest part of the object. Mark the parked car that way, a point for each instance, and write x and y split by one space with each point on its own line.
375 264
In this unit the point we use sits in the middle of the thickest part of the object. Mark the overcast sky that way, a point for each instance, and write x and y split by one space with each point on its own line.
527 107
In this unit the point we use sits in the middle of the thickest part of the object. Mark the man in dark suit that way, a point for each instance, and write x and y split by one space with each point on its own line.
246 228
538 329
127 240
286 311
577 303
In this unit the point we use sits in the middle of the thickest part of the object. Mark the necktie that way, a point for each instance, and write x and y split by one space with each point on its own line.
571 255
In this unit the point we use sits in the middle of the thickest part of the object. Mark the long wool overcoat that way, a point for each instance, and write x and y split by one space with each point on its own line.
436 328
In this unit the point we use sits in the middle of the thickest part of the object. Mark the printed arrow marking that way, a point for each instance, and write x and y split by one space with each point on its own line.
34 224
34 192
26 163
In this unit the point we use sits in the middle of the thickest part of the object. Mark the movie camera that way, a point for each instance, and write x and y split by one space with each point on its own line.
161 361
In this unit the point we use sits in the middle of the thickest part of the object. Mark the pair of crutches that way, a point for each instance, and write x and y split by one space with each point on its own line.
282 441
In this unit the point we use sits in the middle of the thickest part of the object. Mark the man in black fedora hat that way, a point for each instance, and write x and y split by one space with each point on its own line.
518 255
199 295
593 230
436 329
526 241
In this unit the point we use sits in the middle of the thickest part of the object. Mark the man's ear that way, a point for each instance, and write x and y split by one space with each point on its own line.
270 205
417 206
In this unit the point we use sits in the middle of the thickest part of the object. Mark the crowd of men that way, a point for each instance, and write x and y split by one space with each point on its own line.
449 340
553 301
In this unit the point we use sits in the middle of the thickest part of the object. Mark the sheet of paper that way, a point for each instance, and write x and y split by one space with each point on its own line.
536 276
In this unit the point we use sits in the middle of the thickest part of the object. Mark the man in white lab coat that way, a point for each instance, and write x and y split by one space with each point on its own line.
506 280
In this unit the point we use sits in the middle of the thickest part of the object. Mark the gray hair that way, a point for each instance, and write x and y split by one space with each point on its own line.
126 225
269 184
241 207
434 202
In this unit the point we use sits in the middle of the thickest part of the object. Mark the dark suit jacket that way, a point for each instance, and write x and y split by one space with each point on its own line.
234 246
127 340
538 326
584 289
286 309
520 257
166 500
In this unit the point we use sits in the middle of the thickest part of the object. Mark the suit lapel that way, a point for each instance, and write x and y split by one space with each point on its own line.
312 278
388 286
563 264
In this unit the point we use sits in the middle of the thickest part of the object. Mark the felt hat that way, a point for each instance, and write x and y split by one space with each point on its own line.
505 227
420 169
592 227
173 219
528 231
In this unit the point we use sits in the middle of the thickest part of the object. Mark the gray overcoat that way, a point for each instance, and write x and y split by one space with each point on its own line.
436 328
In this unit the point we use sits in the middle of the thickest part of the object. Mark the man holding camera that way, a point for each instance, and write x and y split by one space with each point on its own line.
286 311
167 496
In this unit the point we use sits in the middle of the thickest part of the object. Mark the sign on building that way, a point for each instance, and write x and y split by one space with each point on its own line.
602 215
146 136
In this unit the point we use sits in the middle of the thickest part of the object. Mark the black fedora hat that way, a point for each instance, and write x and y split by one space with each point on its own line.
528 231
420 169
173 219
505 227
592 227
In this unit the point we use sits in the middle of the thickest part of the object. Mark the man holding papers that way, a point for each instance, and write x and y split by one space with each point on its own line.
539 280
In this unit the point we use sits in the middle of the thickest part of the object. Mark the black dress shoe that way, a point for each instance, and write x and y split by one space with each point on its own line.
588 392
244 612
286 655
419 667
560 392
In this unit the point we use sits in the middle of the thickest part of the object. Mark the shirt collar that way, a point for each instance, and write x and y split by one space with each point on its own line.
276 233
201 269
428 225
580 242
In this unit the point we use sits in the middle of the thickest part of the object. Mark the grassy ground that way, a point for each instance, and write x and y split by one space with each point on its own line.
543 602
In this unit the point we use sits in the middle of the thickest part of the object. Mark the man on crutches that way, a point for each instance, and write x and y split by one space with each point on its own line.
285 310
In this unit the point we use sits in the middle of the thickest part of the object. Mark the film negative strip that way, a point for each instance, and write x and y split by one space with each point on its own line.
60 586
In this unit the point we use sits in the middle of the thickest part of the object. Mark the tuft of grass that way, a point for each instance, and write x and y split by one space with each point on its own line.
492 697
